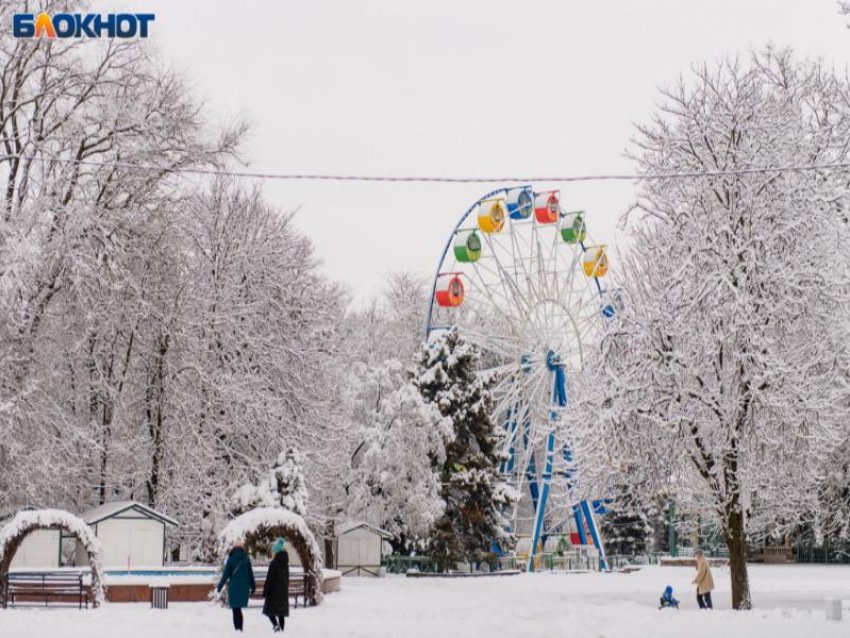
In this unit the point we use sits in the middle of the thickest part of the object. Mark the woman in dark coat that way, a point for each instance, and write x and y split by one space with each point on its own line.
276 588
239 577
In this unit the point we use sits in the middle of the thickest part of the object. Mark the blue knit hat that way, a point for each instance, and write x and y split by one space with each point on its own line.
278 546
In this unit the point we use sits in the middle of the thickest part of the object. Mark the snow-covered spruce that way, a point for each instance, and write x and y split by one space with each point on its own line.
446 375
283 486
25 522
263 523
626 527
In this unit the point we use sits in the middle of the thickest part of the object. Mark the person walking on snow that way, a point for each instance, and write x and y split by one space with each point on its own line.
704 581
239 577
276 587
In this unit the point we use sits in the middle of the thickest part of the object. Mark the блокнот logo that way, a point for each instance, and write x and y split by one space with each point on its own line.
79 25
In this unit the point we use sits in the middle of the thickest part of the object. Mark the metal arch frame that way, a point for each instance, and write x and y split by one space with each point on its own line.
582 511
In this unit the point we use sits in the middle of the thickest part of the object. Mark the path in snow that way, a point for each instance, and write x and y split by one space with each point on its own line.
789 602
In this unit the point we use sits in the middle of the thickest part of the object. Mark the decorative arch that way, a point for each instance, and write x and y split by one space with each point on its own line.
265 523
28 521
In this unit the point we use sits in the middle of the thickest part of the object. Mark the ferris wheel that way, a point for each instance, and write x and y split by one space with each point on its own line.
520 279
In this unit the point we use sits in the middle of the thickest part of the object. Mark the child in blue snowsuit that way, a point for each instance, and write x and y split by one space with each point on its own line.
667 599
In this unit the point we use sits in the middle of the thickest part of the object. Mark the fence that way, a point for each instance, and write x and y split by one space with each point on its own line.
829 552
401 564
566 561
618 561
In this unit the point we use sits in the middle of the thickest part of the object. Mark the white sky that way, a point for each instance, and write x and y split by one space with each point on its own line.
451 87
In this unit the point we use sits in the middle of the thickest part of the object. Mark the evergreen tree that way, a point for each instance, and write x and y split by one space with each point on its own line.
283 487
474 496
626 527
289 483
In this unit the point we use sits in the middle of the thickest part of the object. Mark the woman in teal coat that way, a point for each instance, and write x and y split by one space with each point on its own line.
239 577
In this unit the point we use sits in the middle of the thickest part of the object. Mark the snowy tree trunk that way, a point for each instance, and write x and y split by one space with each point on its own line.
154 412
736 542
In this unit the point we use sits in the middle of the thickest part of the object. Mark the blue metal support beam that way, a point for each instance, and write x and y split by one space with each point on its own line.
582 537
594 535
559 400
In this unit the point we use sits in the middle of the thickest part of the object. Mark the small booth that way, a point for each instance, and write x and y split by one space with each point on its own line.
359 548
131 535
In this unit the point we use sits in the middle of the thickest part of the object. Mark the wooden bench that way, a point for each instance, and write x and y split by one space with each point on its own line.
31 588
296 589
773 554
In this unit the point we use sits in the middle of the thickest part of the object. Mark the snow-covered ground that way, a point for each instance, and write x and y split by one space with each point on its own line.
788 599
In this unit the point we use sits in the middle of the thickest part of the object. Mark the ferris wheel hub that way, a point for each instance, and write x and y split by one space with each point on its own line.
550 332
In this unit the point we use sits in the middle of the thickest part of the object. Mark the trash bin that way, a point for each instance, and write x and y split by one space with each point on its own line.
159 594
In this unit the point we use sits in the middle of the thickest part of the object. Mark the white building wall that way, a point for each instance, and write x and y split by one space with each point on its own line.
133 542
359 548
81 556
39 550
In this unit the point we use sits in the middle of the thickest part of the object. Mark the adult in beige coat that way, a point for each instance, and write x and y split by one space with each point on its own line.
704 581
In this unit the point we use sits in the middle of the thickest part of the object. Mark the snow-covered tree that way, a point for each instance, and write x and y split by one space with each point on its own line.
283 486
726 372
263 343
446 374
289 481
76 242
829 512
393 484
391 325
393 433
159 336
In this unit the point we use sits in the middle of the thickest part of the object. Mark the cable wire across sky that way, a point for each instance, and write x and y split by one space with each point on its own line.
424 179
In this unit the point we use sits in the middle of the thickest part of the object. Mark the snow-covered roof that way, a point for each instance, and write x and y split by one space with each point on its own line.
109 510
350 526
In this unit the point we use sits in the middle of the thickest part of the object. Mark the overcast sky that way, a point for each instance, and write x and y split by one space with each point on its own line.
452 88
